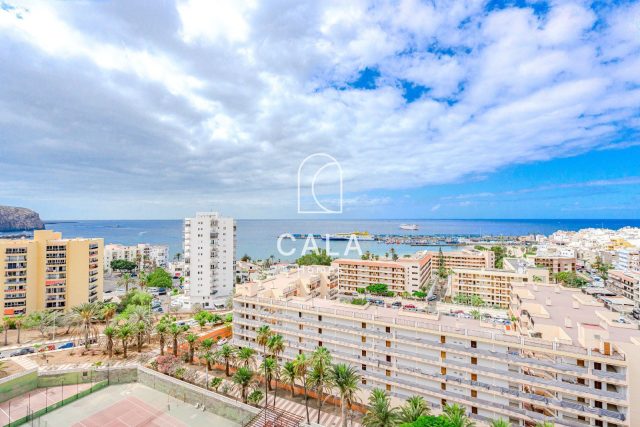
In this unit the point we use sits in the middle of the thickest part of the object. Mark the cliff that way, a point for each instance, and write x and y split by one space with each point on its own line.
19 219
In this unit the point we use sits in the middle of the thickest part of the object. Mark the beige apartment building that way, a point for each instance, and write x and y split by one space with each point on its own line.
626 284
49 272
494 285
403 275
466 258
568 362
555 263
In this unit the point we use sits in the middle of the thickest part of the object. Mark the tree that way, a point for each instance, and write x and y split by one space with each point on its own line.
255 397
477 301
500 252
143 280
380 412
475 314
162 329
176 331
192 340
126 280
84 315
456 416
124 333
215 383
246 356
110 333
123 265
301 364
205 346
275 343
268 366
544 424
108 311
202 317
442 267
7 323
226 353
245 258
317 257
262 338
570 279
159 278
378 289
17 323
394 255
319 377
345 378
415 408
243 379
288 375
500 423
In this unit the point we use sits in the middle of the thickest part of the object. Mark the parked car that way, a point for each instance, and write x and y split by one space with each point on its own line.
432 298
162 291
65 345
410 307
23 351
396 304
636 313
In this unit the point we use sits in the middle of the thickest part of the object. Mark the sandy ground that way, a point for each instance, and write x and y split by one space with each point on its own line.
9 368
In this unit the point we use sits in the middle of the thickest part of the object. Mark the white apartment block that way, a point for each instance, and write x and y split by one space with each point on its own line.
155 255
626 284
403 275
568 362
209 254
628 259
466 258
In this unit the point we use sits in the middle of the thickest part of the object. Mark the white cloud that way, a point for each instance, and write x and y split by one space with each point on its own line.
219 101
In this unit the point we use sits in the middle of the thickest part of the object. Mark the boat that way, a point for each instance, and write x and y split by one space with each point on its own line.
409 227
359 235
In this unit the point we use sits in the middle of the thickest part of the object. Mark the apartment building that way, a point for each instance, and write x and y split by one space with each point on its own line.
402 275
209 255
628 259
143 254
491 284
626 284
555 263
49 272
466 258
574 372
308 281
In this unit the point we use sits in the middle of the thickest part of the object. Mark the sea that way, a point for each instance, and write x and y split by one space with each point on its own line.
259 238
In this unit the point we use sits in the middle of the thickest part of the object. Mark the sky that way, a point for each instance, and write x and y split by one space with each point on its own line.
403 109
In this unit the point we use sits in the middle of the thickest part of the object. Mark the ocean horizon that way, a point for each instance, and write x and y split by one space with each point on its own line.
258 237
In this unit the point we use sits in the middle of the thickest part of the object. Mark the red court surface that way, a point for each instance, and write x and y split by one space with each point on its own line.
130 412
37 399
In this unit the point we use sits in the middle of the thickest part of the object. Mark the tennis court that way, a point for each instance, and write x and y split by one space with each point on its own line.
129 405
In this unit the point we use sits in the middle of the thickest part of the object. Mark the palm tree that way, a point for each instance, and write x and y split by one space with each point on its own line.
110 332
246 356
301 363
456 416
205 349
500 423
161 329
108 311
276 347
255 397
380 412
345 378
268 366
262 338
192 339
124 333
143 280
84 315
215 383
17 322
319 376
175 331
140 330
125 280
288 375
415 408
226 353
544 424
242 379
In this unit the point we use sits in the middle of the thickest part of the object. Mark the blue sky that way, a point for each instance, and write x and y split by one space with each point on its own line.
433 109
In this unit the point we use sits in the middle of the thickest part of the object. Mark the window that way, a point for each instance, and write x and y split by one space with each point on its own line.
474 344
597 366
474 377
474 360
387 344
443 386
442 339
364 381
363 339
474 393
364 325
319 318
387 373
474 410
364 367
443 370
319 343
596 384
388 387
388 329
389 359
443 354
319 330
364 353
